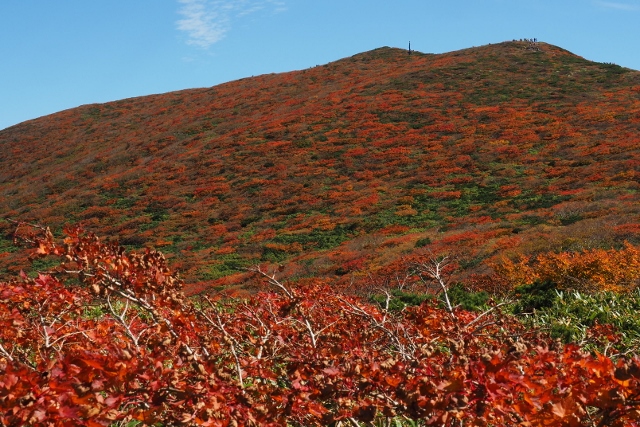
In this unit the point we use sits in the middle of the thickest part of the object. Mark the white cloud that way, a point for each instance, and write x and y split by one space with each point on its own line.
204 25
619 6
207 21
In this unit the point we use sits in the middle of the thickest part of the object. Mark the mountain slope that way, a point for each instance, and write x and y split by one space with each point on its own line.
346 167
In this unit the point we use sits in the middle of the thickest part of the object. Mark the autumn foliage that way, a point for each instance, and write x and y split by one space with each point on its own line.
592 270
497 150
107 336
283 200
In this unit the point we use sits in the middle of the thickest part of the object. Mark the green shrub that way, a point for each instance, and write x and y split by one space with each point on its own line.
425 241
535 297
572 316
400 299
225 265
472 301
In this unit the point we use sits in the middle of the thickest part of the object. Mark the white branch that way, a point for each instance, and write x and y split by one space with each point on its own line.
120 317
6 354
230 340
433 269
273 281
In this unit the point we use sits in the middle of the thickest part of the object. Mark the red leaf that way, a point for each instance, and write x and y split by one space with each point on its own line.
331 371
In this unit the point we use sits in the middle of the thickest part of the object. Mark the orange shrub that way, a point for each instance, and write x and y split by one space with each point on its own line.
601 269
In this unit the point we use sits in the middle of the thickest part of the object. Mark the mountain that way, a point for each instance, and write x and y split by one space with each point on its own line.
346 168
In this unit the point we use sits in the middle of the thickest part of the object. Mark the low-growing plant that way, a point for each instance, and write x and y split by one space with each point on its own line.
305 355
529 298
398 299
468 300
574 316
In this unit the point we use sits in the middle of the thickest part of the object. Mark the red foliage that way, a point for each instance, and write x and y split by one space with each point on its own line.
108 337
482 139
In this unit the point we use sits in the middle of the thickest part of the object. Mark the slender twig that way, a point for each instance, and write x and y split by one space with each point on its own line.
434 270
229 339
485 313
120 317
273 281
6 354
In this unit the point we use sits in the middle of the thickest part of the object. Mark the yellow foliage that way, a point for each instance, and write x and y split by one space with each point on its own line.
595 269
406 210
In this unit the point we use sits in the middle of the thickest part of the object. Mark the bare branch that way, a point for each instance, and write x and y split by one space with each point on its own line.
229 339
114 285
120 317
485 313
273 281
434 269
405 347
6 354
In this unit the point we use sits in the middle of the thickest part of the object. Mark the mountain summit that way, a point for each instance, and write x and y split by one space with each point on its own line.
346 168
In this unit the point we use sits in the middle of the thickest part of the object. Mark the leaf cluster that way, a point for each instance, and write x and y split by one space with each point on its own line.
306 355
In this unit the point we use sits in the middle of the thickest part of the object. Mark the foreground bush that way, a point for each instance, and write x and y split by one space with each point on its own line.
107 337
594 269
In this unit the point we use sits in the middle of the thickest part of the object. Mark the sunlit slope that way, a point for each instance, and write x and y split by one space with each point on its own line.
346 167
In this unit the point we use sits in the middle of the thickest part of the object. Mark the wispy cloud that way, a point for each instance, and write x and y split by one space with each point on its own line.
619 6
207 21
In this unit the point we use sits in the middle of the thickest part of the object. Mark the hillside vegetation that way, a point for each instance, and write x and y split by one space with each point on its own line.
345 169
107 338
386 240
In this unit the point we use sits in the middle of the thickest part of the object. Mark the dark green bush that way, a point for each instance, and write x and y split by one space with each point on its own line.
472 301
535 297
425 241
400 299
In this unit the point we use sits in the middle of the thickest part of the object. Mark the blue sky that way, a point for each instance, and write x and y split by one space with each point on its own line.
64 53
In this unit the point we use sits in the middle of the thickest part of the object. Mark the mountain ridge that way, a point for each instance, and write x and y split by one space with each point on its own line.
318 167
